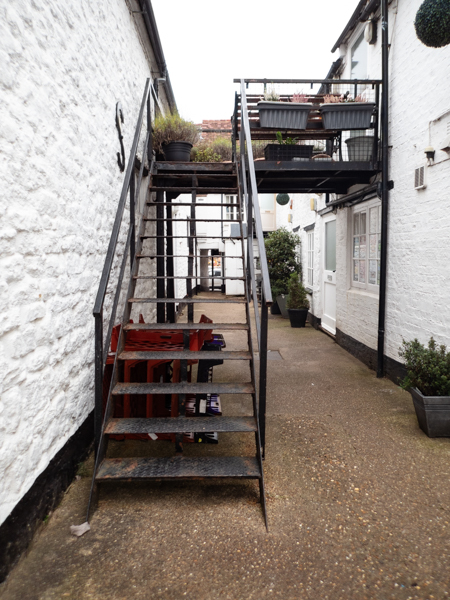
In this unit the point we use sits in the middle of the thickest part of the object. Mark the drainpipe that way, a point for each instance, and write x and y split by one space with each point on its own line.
384 184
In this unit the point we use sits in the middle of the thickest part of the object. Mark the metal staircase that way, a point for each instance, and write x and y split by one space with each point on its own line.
189 351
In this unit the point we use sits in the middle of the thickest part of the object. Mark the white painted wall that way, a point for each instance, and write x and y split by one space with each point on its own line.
64 67
418 284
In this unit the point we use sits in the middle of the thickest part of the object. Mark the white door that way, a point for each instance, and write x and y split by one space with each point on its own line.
329 276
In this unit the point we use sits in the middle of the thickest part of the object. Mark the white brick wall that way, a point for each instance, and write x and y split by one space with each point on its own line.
418 284
64 67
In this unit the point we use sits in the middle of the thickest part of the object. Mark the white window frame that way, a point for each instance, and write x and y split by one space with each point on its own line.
310 258
367 252
231 212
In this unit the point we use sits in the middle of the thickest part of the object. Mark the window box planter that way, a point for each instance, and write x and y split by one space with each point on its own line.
284 115
347 115
287 151
177 151
433 413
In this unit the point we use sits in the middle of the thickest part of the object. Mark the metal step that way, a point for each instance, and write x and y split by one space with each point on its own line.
196 220
182 256
181 425
196 204
178 467
199 190
194 168
185 326
188 277
196 235
187 300
185 355
183 388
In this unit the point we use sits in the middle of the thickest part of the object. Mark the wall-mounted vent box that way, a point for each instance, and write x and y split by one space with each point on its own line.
419 178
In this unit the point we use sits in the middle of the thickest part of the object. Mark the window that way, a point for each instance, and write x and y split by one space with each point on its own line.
231 212
359 59
366 246
310 259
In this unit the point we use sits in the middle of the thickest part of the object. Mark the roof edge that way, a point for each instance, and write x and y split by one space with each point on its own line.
360 13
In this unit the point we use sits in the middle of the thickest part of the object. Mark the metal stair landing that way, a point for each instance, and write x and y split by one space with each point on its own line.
167 382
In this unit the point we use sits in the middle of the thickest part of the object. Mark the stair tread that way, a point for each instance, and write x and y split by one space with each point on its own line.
185 326
197 235
181 256
178 467
197 204
183 388
180 424
187 277
189 189
190 300
184 354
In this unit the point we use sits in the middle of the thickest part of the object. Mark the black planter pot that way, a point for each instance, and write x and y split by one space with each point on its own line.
297 316
287 151
433 413
275 309
177 151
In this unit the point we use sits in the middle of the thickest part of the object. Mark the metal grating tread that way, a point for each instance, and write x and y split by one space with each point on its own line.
184 355
189 300
183 388
180 425
178 467
186 326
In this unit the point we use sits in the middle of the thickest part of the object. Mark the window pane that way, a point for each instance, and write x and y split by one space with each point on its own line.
355 270
379 248
356 224
330 246
374 220
373 246
362 246
373 271
363 223
356 247
266 201
362 271
359 59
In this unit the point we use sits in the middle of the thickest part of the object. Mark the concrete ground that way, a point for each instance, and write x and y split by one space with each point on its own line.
358 501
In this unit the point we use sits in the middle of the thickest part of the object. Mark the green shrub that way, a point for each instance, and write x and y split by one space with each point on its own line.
297 294
428 369
433 23
281 250
173 128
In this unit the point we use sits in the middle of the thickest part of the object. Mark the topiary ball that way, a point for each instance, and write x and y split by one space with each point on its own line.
282 199
433 23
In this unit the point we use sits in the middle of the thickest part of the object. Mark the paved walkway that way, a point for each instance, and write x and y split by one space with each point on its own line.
358 502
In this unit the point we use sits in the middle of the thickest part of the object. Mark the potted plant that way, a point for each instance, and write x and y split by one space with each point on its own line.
428 381
174 137
287 149
298 303
432 23
345 112
284 115
282 249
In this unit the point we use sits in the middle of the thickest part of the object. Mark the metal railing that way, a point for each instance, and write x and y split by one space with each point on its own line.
130 188
249 196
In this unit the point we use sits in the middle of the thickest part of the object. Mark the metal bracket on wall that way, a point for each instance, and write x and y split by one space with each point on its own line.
119 119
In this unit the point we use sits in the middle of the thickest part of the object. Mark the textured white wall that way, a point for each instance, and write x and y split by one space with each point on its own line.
418 285
64 67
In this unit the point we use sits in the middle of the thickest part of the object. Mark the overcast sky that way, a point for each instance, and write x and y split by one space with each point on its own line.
208 43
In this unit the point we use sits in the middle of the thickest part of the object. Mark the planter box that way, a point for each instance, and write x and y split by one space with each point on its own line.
298 316
360 147
287 151
433 413
281 301
347 115
284 115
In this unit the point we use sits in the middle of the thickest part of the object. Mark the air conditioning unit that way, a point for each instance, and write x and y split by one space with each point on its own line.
419 178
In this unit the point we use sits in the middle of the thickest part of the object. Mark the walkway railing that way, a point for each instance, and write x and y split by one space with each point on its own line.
129 188
252 220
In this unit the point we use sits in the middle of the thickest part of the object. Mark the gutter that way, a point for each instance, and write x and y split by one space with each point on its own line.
362 12
155 41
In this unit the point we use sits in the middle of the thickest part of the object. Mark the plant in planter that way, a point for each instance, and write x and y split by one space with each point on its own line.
287 149
174 137
432 23
284 115
298 303
345 112
428 381
282 249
